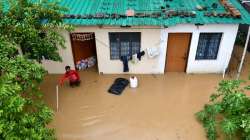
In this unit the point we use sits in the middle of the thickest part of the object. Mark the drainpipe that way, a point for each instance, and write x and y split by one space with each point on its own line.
244 54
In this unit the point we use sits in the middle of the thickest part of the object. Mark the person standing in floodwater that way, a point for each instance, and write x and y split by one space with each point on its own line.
72 75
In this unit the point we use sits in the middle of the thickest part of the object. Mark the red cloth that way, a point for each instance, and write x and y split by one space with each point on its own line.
72 75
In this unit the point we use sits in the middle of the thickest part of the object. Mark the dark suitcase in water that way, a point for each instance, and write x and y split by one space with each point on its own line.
118 86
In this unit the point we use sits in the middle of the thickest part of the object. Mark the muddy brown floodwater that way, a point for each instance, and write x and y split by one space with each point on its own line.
161 108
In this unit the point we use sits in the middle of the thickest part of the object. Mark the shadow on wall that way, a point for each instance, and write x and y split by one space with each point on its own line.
242 34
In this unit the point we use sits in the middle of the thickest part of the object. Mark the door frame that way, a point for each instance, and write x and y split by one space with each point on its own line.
189 45
73 53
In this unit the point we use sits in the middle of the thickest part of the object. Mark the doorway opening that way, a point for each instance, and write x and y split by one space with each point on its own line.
84 51
177 52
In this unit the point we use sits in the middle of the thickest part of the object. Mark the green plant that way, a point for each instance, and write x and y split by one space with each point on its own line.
23 114
228 112
33 25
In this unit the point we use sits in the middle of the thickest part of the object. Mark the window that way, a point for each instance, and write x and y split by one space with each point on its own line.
124 44
208 46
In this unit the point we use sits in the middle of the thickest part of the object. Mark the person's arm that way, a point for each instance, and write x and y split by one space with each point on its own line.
65 76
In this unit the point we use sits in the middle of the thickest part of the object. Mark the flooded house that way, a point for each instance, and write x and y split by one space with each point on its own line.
150 36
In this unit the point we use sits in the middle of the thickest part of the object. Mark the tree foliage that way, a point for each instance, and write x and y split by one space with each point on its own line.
31 26
228 112
22 112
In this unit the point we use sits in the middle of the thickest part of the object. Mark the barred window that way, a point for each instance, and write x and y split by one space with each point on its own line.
208 46
124 44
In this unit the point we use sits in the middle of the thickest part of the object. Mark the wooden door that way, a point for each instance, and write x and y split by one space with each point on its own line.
177 52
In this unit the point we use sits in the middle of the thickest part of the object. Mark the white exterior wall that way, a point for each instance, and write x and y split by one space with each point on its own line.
67 58
153 37
225 50
149 38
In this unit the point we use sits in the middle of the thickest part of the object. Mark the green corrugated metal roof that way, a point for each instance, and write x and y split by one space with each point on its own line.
93 7
85 8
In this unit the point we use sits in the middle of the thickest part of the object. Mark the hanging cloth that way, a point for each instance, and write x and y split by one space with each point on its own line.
153 52
134 59
124 60
140 54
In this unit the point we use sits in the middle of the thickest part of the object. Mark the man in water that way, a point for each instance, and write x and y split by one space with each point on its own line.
72 75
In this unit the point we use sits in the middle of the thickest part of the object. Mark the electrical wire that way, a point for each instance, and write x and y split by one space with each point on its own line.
108 46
